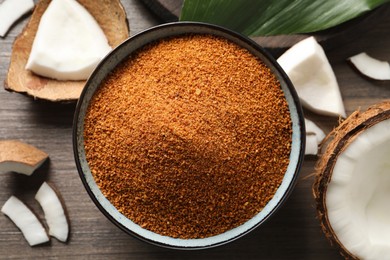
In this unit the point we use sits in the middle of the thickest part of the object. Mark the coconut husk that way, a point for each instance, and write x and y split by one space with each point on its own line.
334 144
111 17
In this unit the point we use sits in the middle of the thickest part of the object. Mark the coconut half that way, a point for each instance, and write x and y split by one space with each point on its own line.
352 186
111 17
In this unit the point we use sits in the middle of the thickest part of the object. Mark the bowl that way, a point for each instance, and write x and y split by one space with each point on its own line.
122 52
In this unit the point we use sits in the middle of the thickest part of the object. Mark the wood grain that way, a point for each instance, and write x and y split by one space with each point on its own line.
293 233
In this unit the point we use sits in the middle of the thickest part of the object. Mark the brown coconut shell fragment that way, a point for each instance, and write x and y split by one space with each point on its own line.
20 157
334 144
111 17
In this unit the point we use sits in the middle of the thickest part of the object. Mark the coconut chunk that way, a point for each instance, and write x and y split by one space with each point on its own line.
11 11
54 212
352 187
111 17
314 137
25 220
311 147
366 195
312 128
69 42
20 157
370 67
307 66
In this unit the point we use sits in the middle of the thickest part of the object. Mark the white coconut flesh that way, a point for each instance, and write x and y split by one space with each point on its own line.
311 147
69 42
25 220
11 11
54 212
10 166
371 67
314 136
358 194
307 66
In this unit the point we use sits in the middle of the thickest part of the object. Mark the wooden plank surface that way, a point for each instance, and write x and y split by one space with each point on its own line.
293 233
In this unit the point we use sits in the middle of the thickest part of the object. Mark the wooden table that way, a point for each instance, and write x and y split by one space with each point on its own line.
293 233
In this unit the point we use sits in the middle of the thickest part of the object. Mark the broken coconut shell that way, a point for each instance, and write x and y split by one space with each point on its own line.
335 143
111 17
20 157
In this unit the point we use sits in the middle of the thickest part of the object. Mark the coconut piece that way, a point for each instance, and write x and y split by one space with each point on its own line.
25 220
69 42
11 11
352 184
54 212
307 66
20 157
311 144
314 137
370 67
110 16
312 128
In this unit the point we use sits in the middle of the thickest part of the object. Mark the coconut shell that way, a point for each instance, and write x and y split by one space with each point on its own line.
18 153
111 17
334 144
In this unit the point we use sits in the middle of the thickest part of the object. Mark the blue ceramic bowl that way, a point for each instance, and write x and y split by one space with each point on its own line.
121 53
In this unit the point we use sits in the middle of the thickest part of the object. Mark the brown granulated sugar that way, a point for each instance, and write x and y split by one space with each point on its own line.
189 137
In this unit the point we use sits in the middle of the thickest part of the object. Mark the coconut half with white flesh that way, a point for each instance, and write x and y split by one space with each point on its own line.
25 220
307 66
54 212
111 17
352 186
370 67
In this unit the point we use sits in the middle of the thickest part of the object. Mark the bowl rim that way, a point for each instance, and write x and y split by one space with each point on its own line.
240 40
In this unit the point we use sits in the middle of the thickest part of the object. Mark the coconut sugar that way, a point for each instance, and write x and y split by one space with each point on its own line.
189 137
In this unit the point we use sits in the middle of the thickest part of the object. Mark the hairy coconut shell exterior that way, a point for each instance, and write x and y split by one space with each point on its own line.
335 143
111 17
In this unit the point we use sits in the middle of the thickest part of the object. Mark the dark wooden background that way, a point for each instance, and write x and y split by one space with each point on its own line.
293 233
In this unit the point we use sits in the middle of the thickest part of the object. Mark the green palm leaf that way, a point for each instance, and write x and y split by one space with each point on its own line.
273 17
